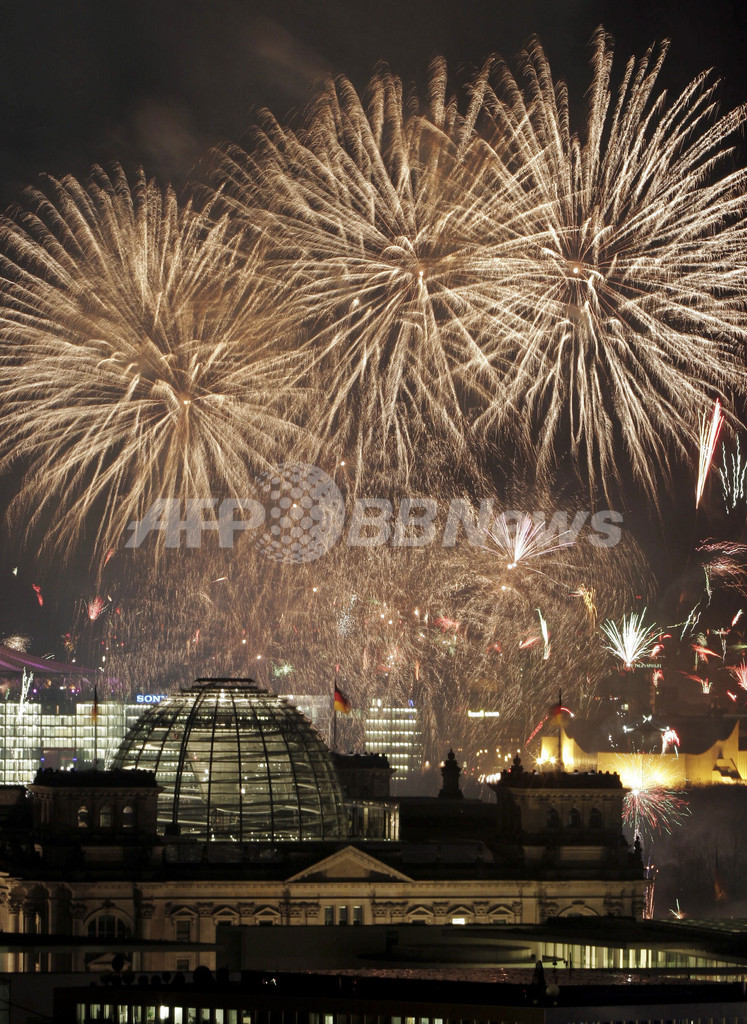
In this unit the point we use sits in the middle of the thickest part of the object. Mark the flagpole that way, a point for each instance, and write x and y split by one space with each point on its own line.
560 726
334 727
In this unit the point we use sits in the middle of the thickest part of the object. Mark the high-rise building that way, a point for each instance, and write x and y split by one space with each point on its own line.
69 735
396 733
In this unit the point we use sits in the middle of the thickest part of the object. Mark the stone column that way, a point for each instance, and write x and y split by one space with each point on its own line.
29 928
205 932
15 960
77 913
145 911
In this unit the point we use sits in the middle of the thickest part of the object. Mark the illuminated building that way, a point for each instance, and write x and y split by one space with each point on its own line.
286 786
318 709
45 735
173 855
710 752
396 733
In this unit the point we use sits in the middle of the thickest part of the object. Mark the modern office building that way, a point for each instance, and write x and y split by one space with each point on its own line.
44 735
395 732
60 729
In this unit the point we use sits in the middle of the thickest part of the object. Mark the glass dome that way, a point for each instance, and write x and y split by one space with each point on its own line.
236 763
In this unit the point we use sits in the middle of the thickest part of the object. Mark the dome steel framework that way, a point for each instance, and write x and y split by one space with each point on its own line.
237 763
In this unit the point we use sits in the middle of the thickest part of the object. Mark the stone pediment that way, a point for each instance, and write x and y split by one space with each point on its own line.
349 864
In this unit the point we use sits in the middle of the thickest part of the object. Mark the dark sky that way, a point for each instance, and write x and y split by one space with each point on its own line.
156 82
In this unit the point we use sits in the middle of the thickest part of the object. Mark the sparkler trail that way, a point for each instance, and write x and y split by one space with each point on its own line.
726 562
133 346
733 473
710 430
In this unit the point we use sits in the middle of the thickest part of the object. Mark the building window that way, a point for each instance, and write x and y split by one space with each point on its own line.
105 817
357 915
82 816
329 915
128 817
107 926
595 818
183 930
342 915
553 818
182 964
574 818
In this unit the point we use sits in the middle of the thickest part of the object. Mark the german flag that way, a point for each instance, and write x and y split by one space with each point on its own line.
342 704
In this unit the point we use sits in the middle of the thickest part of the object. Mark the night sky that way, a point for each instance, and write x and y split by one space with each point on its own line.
157 82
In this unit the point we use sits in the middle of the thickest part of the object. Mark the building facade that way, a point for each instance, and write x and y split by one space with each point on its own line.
226 809
395 732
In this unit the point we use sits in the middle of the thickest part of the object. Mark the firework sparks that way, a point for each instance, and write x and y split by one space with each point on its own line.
739 672
545 636
130 345
371 215
651 806
96 607
726 561
631 639
669 739
588 596
432 625
611 219
733 473
518 538
709 435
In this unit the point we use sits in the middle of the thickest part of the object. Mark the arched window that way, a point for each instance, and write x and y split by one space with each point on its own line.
105 816
574 818
595 818
82 816
107 926
128 817
553 818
